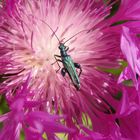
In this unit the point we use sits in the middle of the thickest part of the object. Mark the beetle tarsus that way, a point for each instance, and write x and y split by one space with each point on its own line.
57 60
78 66
63 72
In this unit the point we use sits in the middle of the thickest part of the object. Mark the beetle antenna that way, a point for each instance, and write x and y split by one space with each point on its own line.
51 30
75 35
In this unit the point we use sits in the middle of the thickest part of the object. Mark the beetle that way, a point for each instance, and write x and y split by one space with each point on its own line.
69 66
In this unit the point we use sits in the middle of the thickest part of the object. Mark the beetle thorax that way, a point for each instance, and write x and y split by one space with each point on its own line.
62 50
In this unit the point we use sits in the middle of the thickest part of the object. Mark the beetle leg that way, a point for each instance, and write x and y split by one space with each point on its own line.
57 60
63 71
66 48
57 55
78 66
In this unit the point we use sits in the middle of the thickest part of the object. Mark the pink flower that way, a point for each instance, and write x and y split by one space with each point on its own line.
88 134
29 45
130 49
24 115
129 126
128 113
30 35
128 11
129 102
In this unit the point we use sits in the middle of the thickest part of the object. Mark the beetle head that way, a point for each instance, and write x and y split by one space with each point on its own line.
61 46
